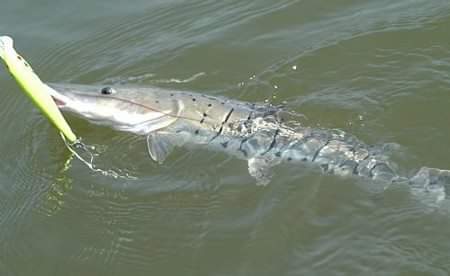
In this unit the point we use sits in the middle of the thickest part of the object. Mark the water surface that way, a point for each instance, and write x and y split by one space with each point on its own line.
377 69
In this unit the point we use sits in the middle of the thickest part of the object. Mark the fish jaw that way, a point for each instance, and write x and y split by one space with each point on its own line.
59 99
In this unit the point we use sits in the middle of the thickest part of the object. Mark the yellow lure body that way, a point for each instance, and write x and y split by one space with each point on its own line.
33 87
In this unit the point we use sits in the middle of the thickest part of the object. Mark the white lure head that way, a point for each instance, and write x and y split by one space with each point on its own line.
6 45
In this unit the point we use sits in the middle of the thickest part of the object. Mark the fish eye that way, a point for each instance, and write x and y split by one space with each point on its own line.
107 91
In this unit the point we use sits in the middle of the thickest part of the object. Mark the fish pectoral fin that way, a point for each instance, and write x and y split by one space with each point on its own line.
159 147
259 168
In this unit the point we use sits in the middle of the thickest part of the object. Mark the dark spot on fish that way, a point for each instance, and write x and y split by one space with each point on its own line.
209 105
205 115
355 169
228 116
224 144
157 101
19 57
171 94
274 140
223 123
222 103
193 99
202 120
289 159
107 90
319 150
304 159
365 158
197 131
278 154
324 167
249 116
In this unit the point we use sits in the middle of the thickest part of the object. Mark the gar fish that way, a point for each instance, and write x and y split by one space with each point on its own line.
253 132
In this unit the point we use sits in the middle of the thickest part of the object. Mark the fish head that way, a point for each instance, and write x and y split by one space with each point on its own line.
129 109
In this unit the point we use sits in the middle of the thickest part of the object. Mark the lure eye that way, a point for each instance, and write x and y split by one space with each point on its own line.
107 90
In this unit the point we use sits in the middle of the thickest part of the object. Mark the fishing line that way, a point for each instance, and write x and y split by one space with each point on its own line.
78 145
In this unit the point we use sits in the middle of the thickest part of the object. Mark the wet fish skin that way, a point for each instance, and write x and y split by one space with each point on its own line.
252 132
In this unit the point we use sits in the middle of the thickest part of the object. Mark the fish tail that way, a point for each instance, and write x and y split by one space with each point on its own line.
431 184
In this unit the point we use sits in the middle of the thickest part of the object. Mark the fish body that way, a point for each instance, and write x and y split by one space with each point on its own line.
253 132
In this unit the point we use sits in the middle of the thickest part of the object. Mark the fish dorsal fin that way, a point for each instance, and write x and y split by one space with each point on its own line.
159 147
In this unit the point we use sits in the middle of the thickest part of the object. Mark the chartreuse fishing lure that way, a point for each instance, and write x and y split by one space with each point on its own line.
34 88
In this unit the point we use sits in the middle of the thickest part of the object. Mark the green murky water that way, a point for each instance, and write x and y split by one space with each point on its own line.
377 69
